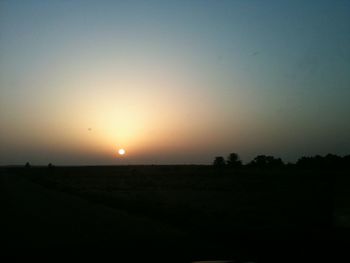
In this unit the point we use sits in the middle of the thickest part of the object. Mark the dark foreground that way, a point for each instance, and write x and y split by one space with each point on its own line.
185 213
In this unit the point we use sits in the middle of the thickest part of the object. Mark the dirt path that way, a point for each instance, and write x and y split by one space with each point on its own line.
34 216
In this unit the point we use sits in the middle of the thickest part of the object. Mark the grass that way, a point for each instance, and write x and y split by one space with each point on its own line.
204 200
212 212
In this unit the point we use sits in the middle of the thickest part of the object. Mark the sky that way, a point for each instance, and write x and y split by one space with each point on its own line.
172 82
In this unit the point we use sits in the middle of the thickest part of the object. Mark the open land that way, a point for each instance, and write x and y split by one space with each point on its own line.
189 212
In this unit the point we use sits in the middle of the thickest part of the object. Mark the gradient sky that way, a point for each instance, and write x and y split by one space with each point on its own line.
172 81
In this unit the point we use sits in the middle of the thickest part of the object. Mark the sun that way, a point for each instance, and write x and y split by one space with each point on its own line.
121 151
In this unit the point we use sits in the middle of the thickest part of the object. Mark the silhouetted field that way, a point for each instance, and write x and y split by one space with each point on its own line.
214 207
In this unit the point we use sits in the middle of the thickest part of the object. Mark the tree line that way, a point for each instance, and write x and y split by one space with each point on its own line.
329 161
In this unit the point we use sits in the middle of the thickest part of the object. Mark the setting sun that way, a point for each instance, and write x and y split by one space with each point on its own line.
121 151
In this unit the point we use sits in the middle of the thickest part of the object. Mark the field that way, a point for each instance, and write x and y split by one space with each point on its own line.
200 208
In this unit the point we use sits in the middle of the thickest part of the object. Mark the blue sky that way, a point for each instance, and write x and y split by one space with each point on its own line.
173 81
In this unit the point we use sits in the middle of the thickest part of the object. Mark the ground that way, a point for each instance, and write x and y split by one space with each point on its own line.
193 212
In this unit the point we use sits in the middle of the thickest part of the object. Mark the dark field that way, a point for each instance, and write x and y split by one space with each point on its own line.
188 212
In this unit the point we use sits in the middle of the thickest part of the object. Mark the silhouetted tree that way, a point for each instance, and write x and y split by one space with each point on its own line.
219 161
233 160
290 165
276 162
264 161
50 166
27 165
346 162
330 161
303 162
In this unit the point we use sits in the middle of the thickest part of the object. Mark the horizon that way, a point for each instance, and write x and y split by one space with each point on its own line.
172 82
226 159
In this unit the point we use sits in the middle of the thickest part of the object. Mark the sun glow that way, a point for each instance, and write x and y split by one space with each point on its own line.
121 151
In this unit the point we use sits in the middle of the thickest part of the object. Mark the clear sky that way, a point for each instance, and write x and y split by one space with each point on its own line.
172 81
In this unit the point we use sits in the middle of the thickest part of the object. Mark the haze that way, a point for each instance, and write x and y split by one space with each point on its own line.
172 82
